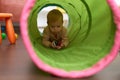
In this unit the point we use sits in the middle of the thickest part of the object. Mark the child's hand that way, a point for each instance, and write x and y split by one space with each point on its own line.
61 46
53 45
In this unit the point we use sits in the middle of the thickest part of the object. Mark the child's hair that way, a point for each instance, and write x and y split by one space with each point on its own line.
54 15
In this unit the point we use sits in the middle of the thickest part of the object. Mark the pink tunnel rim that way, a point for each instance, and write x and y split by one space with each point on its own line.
60 72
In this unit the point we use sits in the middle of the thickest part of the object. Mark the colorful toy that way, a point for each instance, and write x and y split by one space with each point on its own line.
57 43
94 37
9 27
3 36
0 35
16 35
3 28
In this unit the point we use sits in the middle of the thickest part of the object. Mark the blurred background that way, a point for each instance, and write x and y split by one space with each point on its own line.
15 7
12 6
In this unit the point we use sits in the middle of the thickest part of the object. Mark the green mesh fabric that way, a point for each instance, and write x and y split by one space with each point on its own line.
91 33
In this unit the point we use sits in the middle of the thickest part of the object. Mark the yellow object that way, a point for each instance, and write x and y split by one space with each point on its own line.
16 35
61 10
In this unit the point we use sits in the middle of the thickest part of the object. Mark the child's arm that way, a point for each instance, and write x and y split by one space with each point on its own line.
46 43
65 40
45 39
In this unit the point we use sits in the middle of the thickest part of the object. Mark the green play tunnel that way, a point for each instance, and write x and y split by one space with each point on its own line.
91 32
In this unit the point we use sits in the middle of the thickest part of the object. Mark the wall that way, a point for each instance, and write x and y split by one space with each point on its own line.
12 6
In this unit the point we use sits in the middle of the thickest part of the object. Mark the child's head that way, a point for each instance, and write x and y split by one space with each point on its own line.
55 20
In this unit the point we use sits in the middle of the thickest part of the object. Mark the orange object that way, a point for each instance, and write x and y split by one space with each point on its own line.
9 27
5 15
10 31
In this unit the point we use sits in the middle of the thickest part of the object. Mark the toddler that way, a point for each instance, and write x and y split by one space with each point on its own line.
55 35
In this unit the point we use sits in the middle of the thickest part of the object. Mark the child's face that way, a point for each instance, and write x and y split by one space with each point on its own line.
56 26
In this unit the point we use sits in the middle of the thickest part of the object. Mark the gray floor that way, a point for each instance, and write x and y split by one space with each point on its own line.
15 64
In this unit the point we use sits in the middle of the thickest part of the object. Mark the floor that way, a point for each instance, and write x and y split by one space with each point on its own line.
15 64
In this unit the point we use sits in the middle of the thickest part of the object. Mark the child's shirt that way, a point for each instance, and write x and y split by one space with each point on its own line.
49 37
